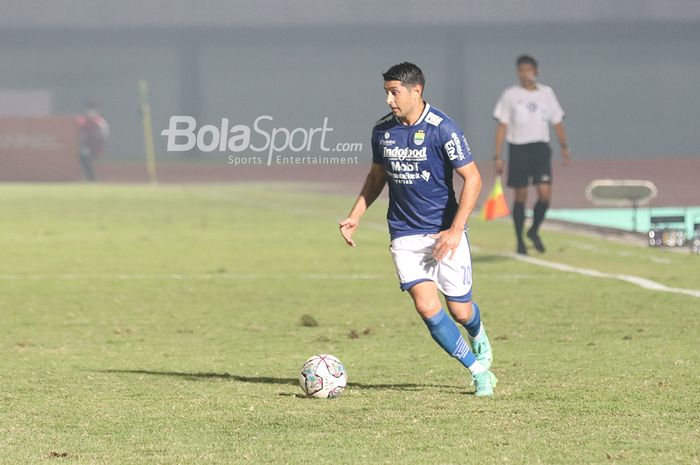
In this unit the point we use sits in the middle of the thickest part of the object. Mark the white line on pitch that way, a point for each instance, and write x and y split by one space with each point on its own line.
636 280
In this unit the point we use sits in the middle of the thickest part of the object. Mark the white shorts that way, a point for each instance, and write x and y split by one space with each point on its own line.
414 261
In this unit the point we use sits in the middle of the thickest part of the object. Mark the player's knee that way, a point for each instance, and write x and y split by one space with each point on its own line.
427 306
462 312
544 192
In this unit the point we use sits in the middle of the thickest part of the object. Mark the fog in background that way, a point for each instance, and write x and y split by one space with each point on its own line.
626 72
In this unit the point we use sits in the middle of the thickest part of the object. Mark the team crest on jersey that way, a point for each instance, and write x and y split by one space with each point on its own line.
387 135
419 137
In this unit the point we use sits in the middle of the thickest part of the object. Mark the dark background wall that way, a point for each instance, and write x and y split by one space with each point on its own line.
627 77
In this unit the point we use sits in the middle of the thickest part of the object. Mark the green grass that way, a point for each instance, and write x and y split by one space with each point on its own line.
161 325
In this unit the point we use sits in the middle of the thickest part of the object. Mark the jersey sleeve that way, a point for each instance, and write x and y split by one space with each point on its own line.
376 152
454 145
502 109
556 114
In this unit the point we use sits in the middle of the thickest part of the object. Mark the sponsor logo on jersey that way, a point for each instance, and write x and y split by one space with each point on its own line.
419 137
386 141
407 177
404 153
433 119
402 166
453 147
425 175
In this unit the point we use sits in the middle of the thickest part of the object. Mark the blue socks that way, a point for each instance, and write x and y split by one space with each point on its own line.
446 333
474 325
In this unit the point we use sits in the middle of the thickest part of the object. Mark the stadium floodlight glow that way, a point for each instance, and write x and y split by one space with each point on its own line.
183 135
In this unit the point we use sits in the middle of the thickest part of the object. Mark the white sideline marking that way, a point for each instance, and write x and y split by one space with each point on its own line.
636 280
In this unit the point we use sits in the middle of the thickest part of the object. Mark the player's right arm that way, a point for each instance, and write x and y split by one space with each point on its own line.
501 114
374 184
498 162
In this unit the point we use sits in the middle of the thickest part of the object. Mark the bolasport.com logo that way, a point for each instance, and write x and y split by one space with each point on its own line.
261 143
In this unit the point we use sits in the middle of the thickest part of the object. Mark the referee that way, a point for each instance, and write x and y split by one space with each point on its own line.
524 113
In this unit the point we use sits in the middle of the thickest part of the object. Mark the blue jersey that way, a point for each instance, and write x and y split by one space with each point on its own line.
419 162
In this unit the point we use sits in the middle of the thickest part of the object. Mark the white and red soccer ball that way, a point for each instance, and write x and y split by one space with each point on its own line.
323 376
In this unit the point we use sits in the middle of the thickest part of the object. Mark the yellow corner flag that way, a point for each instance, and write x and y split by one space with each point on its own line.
496 205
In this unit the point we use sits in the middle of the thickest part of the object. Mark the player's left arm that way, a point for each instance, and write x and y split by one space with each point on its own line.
557 120
563 142
449 239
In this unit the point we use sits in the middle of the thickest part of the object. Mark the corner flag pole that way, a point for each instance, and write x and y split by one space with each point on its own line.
148 131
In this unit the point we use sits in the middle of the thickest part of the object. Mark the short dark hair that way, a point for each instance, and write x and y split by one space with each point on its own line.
526 60
407 73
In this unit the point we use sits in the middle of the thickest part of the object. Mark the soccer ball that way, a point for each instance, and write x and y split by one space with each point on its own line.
323 376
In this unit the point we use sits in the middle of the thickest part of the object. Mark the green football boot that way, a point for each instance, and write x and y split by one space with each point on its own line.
484 382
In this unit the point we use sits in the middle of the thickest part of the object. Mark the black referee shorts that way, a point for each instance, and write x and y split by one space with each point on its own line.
529 163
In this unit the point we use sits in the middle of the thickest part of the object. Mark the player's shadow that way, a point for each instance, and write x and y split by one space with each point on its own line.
197 376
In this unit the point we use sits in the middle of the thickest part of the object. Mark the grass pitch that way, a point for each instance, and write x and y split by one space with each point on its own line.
163 325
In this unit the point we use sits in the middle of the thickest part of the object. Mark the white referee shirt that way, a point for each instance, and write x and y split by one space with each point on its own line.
528 113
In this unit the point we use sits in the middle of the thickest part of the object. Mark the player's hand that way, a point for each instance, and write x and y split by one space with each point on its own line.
447 242
347 228
566 155
499 166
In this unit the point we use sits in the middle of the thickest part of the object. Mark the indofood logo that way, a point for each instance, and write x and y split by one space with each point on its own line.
404 153
262 137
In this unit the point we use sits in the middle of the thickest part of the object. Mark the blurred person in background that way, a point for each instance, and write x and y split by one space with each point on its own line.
524 113
93 133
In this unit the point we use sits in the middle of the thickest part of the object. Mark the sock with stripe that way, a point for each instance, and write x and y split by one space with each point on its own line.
446 333
473 326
